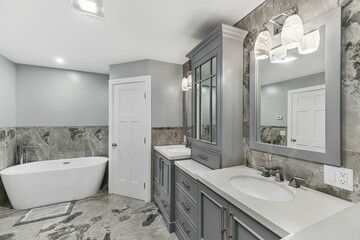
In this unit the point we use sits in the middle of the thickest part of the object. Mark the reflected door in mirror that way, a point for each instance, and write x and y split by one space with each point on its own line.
291 99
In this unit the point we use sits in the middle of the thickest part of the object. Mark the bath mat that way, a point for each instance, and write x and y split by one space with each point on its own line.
47 212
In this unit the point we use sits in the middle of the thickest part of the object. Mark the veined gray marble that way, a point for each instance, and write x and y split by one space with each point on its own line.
309 9
167 136
271 135
63 142
7 154
101 217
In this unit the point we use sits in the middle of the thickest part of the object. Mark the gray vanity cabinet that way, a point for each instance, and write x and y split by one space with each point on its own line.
217 73
164 188
212 212
218 219
243 227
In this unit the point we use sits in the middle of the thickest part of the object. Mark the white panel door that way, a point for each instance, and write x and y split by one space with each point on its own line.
130 130
306 121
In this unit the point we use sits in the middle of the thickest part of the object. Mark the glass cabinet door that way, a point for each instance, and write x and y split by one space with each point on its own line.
205 101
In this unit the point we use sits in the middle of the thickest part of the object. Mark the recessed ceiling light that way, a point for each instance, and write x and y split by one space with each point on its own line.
59 60
90 7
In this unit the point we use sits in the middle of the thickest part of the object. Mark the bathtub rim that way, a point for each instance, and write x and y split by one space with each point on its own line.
5 171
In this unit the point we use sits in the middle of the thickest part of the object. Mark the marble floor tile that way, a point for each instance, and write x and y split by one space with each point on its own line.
100 217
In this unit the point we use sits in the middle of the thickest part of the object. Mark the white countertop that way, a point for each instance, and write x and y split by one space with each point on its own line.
174 152
344 225
191 167
283 218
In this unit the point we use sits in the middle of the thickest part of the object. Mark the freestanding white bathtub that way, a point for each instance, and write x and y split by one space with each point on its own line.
48 182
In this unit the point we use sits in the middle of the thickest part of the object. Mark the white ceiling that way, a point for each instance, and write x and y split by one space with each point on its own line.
36 32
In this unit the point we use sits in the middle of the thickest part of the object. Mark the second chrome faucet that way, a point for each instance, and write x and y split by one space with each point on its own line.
277 171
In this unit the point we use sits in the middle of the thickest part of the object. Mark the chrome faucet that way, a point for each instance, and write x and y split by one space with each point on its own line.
22 153
187 142
279 174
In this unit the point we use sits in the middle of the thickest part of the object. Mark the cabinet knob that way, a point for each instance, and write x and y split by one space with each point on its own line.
114 144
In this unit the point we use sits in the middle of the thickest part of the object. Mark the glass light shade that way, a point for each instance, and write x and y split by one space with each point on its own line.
184 84
263 45
278 55
310 43
292 32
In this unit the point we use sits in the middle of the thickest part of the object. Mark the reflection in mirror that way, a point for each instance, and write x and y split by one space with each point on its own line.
205 108
291 92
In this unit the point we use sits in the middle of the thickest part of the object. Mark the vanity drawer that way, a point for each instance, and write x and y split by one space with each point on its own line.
186 205
183 225
209 159
186 183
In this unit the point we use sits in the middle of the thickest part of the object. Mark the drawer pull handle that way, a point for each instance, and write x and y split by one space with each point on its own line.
187 208
185 228
203 157
186 185
164 203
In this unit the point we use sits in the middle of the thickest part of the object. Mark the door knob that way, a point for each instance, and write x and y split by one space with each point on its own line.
293 140
114 144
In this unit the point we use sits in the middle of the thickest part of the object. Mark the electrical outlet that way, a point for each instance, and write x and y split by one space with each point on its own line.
339 177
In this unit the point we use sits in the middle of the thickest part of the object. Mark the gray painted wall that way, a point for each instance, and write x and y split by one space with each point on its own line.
166 90
7 94
54 97
274 98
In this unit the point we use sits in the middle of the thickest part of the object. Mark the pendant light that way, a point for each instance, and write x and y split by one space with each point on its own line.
310 43
292 32
263 45
278 55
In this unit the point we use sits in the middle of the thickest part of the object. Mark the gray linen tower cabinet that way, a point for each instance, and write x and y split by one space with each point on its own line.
217 120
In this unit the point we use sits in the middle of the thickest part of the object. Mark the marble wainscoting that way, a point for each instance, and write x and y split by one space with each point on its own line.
166 136
7 154
313 172
63 142
272 135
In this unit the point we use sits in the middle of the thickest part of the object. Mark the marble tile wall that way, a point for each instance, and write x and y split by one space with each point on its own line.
167 136
63 142
272 135
309 9
7 154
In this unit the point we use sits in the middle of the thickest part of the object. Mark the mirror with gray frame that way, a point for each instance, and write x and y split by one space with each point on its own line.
295 102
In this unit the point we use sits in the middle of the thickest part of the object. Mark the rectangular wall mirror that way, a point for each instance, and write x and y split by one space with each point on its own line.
295 98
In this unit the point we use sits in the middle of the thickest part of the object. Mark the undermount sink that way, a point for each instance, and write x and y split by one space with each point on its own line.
262 189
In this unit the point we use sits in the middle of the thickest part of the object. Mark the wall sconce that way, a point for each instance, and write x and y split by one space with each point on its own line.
186 83
263 45
310 43
292 32
291 29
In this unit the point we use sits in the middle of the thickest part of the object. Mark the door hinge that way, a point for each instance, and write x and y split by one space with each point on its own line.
144 185
144 140
144 95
